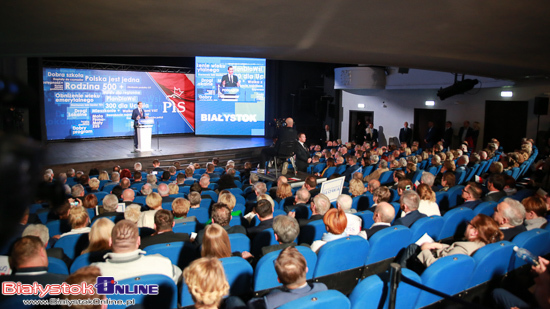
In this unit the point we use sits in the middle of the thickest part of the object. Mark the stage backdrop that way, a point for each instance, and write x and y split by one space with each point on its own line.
230 106
82 103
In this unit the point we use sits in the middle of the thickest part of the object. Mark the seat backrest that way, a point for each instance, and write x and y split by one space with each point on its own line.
210 193
455 221
537 241
492 261
167 206
236 191
201 213
367 170
239 242
265 276
386 178
57 266
341 169
72 245
319 167
459 267
330 259
167 296
433 170
331 170
366 216
453 194
430 225
185 227
486 208
238 273
311 232
373 291
387 242
417 176
179 253
328 299
262 239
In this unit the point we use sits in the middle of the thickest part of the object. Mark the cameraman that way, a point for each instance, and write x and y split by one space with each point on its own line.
284 134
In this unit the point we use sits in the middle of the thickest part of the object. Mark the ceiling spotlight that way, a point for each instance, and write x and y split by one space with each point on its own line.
430 103
459 87
506 94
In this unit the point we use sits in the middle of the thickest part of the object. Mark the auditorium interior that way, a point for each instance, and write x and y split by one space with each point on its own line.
327 63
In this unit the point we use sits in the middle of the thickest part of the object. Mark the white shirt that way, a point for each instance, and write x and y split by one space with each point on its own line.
429 208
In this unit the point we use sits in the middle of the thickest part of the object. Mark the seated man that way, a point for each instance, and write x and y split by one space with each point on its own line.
164 192
286 230
382 167
221 214
127 261
383 216
29 263
319 207
301 199
495 184
264 211
164 222
471 195
409 206
509 215
291 268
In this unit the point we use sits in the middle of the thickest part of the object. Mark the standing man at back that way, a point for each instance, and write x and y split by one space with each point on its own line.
405 134
137 114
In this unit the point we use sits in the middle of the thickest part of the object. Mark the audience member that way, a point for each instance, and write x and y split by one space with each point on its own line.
205 279
354 223
535 212
264 211
286 230
495 184
221 214
147 219
132 213
88 275
409 205
164 222
509 214
427 203
335 222
383 216
382 167
180 209
99 236
471 195
319 207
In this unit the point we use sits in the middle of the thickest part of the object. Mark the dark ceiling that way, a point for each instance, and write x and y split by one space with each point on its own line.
501 39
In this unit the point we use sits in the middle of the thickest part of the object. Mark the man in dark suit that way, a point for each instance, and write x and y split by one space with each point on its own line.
291 268
284 134
405 134
371 134
448 135
429 139
509 214
221 214
264 211
138 114
302 153
495 184
230 80
352 167
465 132
286 229
327 134
164 222
383 216
301 199
319 207
471 195
29 262
409 207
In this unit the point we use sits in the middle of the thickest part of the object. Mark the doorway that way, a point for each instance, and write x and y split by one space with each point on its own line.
421 118
507 122
355 116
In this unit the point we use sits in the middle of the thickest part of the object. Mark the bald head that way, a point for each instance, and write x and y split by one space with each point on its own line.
289 122
163 189
344 202
384 212
128 195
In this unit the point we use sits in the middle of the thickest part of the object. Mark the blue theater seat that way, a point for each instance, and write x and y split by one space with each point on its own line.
492 261
57 266
72 245
311 232
180 253
430 225
455 222
330 259
486 208
537 241
239 242
386 243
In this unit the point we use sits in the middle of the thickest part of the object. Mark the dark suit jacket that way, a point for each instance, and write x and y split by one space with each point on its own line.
168 199
302 155
405 136
494 197
375 229
510 233
374 137
42 276
470 204
135 113
349 170
303 222
430 137
409 219
264 225
163 238
230 84
468 133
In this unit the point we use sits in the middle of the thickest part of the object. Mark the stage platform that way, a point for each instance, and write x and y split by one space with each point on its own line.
105 153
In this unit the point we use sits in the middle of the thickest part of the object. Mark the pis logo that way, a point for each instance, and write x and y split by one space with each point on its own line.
108 285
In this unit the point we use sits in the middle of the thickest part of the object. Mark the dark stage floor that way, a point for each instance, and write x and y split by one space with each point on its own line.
68 152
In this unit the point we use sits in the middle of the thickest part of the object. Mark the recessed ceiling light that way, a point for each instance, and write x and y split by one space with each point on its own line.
506 94
430 103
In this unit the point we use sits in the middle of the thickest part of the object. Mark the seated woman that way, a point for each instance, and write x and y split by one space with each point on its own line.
448 166
330 163
427 204
335 222
99 235
205 278
535 211
215 243
356 187
79 220
481 230
283 191
448 180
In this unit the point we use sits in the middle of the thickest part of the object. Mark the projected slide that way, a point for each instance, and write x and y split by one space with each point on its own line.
81 103
230 96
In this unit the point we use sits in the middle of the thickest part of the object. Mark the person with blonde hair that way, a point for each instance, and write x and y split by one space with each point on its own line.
79 220
94 185
100 235
173 189
147 219
356 187
206 281
215 242
283 191
180 209
103 175
132 212
427 204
